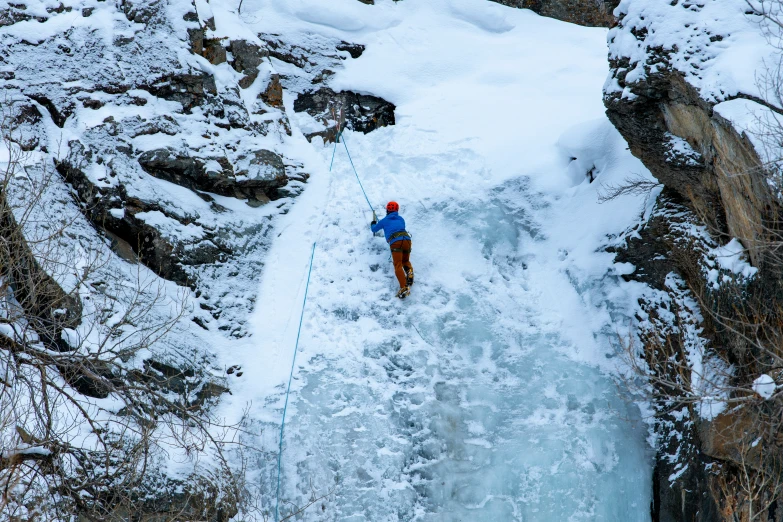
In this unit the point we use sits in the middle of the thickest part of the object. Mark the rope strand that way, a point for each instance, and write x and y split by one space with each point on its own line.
301 319
331 163
356 173
288 391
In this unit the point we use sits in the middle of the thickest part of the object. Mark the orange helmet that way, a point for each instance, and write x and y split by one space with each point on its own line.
392 206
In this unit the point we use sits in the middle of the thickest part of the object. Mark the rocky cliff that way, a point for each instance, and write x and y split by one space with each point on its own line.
693 114
148 141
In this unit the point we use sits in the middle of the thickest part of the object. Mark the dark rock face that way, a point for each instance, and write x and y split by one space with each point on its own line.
696 154
698 458
273 95
667 108
166 257
44 301
191 498
247 58
315 65
355 50
316 60
261 174
665 257
361 112
593 13
188 89
26 127
59 113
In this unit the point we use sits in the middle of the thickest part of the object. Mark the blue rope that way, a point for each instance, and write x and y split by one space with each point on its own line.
356 173
333 152
290 378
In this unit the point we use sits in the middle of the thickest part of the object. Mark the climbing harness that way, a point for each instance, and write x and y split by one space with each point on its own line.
401 233
288 391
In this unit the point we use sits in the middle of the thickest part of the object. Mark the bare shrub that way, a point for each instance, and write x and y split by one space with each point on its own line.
636 185
83 426
714 384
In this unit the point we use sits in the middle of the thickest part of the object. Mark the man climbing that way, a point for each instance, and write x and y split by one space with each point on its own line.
399 240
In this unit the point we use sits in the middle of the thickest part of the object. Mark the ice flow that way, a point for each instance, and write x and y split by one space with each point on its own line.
461 403
487 395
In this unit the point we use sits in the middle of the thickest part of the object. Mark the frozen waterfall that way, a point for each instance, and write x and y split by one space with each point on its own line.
488 394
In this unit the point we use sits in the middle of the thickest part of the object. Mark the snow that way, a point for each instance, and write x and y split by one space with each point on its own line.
6 454
488 394
727 263
171 227
71 337
8 330
764 385
592 146
680 151
715 45
732 257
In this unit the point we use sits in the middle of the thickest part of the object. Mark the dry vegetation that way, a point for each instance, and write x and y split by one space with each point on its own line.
84 427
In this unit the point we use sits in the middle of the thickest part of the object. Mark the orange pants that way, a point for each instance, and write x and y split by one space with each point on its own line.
401 254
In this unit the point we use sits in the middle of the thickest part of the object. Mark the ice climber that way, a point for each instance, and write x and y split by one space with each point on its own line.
399 240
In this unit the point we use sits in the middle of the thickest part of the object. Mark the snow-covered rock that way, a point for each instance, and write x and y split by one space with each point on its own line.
691 90
159 128
764 385
596 13
672 64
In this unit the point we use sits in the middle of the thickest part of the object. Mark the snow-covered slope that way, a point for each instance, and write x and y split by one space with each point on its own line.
490 393
484 396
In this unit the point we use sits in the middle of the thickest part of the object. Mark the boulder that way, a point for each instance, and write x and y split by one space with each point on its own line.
189 89
26 126
246 57
214 51
273 94
592 13
361 112
256 176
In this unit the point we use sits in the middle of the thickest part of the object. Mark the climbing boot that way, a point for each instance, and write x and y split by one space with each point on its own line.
409 276
404 292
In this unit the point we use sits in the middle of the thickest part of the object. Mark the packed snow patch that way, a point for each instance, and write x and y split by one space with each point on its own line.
730 258
764 385
716 45
680 152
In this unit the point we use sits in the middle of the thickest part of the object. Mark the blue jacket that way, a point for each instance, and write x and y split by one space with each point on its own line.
392 223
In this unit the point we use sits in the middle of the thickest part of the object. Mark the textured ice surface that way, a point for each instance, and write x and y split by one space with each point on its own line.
487 394
472 399
456 404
